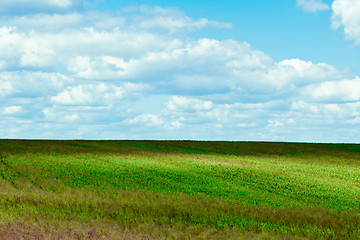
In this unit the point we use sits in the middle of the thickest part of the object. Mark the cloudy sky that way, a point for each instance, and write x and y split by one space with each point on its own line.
284 70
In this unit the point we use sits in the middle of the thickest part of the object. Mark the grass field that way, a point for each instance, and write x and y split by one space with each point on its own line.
178 190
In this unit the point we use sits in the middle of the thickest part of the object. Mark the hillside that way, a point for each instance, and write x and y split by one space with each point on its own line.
178 190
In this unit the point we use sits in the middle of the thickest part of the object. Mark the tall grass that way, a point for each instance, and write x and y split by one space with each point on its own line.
181 189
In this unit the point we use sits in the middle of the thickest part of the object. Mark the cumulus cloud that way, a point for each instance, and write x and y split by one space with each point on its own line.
98 94
312 5
298 73
147 119
327 113
336 91
180 103
73 95
31 84
52 115
5 88
206 66
346 15
171 64
11 110
307 69
137 73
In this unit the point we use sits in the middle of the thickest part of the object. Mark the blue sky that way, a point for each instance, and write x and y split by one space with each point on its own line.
204 70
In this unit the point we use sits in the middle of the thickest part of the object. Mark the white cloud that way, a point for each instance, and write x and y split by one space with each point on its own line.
296 72
150 120
207 65
154 120
307 69
346 15
179 103
43 48
304 106
246 125
326 112
102 70
95 94
83 67
185 23
31 84
12 110
24 49
73 95
336 91
5 88
172 20
312 5
71 118
54 115
272 124
355 121
139 55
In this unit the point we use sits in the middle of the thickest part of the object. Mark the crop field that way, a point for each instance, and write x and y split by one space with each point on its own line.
178 190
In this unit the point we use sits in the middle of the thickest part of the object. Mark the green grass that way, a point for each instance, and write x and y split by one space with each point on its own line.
180 189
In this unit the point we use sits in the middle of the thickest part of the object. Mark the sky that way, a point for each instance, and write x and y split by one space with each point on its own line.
249 70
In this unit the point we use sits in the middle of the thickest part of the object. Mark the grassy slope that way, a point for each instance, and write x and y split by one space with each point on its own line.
180 189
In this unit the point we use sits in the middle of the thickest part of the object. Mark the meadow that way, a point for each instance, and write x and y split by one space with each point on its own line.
178 190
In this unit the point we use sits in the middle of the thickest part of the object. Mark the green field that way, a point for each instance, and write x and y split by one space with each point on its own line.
178 190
